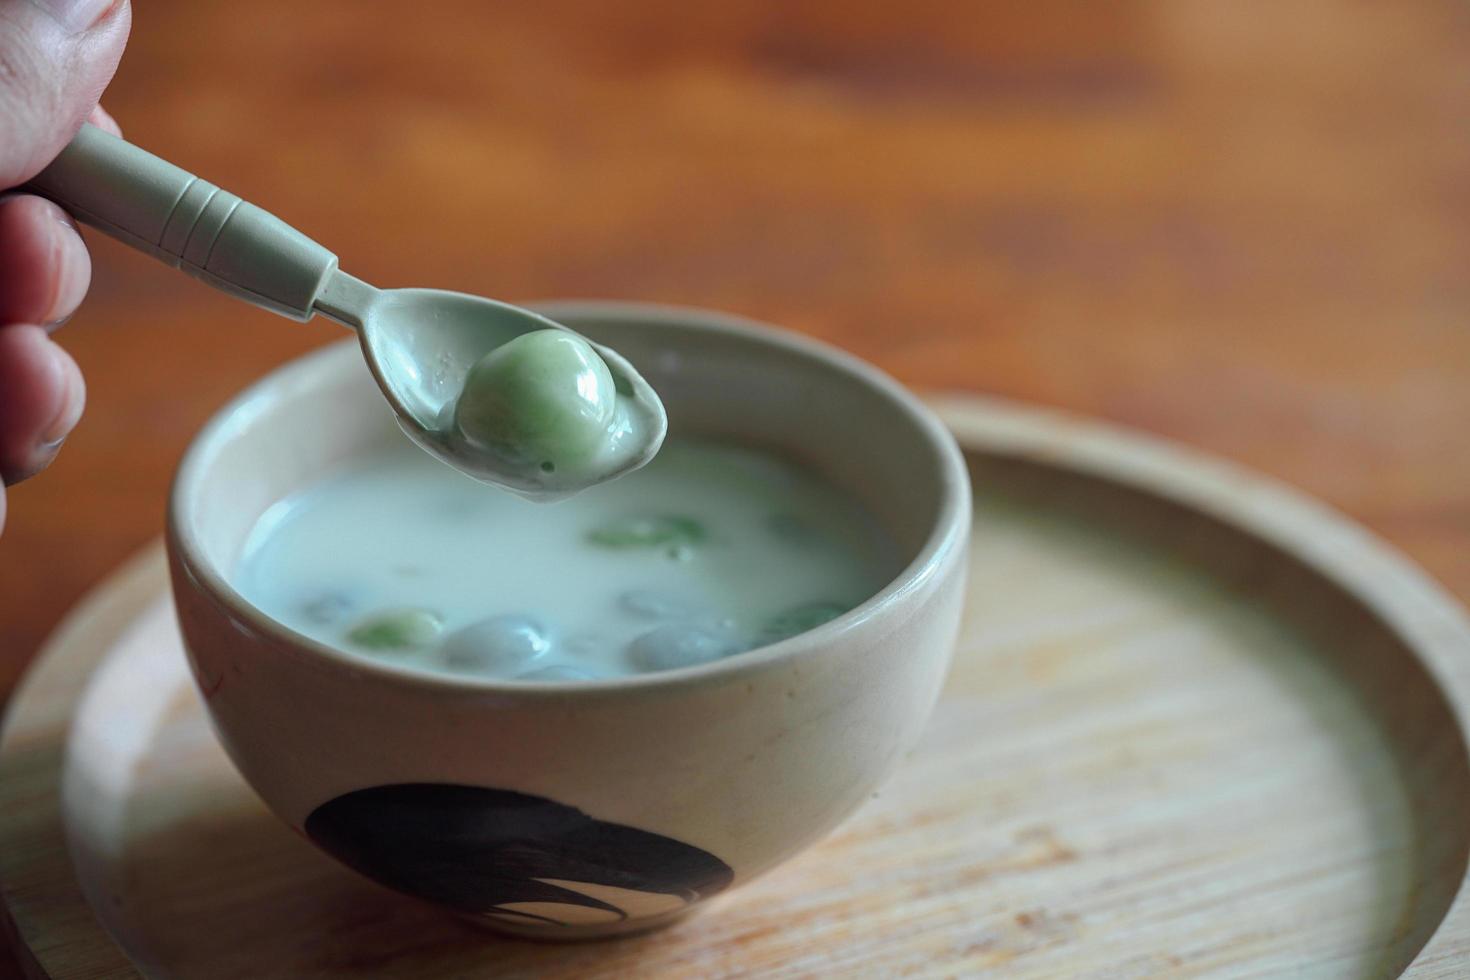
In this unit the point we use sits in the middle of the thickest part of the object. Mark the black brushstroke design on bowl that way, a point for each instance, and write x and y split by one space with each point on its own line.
477 849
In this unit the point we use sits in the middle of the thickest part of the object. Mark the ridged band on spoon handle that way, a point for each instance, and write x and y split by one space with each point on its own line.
189 223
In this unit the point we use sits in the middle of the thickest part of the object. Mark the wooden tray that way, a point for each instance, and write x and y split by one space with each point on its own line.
1196 725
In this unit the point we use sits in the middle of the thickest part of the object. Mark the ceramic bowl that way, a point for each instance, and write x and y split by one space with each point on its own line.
573 810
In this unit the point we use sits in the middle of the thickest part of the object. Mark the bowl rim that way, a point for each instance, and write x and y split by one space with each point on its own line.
947 535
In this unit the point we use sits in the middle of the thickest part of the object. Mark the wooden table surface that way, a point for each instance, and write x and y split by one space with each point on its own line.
1243 225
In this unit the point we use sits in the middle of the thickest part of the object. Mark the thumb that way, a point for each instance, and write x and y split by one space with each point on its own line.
56 57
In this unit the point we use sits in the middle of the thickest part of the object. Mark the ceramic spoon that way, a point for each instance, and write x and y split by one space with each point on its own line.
419 343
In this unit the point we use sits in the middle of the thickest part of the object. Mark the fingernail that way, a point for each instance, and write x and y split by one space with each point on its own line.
72 401
73 269
65 220
41 457
102 119
77 15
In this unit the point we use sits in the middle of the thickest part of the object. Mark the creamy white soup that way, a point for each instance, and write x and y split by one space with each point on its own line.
709 551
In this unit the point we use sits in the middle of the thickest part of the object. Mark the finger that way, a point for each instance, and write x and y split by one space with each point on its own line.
56 57
102 119
41 398
44 267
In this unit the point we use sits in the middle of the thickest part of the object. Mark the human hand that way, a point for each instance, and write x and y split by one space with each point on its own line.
56 57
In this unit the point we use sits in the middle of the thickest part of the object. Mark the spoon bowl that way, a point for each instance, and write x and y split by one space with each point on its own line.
420 345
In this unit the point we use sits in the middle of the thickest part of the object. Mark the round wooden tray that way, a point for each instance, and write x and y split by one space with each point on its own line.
1196 725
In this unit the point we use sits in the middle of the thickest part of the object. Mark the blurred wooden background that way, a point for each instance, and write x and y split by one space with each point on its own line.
1244 225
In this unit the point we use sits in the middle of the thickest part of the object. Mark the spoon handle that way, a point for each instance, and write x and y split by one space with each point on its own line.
213 235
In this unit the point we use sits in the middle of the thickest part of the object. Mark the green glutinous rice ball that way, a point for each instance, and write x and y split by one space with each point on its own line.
545 398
